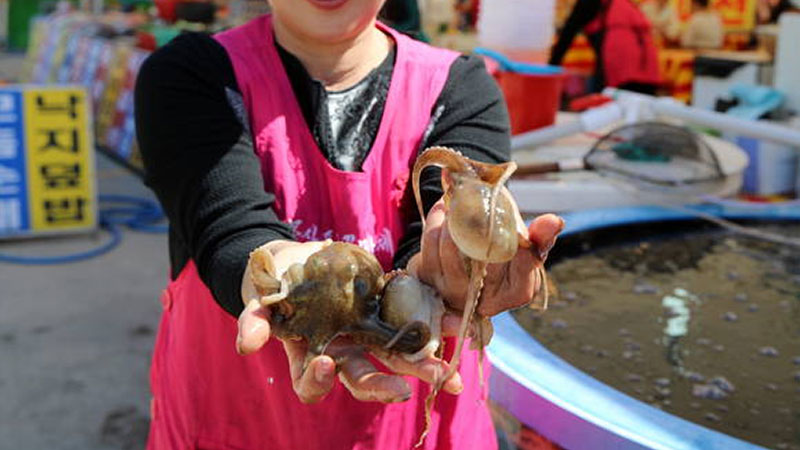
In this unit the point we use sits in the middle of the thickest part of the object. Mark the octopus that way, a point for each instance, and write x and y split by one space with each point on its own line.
486 226
342 290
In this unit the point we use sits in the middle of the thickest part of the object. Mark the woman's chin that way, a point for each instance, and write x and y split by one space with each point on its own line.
327 21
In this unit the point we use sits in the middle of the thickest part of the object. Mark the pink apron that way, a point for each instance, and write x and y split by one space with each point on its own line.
207 396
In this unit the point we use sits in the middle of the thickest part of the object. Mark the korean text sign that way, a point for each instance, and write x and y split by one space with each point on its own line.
47 173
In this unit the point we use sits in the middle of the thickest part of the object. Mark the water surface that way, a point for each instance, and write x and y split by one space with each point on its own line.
704 325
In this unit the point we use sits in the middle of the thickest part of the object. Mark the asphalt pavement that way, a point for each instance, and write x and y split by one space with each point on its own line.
76 339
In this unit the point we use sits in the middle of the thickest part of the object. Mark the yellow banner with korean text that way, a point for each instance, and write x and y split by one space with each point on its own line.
59 159
737 15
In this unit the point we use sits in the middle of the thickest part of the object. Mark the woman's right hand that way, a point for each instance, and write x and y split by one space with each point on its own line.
356 371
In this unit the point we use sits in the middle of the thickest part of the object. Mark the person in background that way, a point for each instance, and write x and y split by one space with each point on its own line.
622 39
272 138
664 19
704 29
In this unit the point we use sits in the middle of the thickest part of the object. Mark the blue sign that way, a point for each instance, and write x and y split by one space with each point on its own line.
13 192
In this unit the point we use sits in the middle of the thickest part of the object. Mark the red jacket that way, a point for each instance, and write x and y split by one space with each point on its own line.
629 54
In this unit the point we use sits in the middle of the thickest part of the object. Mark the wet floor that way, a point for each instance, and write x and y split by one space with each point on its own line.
706 327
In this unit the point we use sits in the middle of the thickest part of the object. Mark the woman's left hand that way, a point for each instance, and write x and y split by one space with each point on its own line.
506 286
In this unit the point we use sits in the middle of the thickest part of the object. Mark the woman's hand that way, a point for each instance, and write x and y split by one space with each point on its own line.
506 286
356 372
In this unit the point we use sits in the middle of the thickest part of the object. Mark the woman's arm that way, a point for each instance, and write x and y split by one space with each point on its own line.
199 160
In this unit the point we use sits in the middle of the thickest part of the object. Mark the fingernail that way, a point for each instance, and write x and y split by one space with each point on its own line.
545 250
543 253
239 344
322 371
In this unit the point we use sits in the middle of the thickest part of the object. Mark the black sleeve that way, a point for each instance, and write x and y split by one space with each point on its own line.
582 13
199 160
470 116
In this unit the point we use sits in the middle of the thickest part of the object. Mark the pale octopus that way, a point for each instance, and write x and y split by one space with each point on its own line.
485 224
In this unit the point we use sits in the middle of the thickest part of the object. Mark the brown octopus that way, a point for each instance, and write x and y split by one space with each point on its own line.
342 290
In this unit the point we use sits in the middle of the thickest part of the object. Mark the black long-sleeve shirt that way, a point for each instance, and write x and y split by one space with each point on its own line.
199 159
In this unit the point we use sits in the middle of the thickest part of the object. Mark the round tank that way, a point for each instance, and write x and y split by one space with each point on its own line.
570 407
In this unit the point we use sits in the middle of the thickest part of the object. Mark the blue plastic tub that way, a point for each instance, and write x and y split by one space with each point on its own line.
571 408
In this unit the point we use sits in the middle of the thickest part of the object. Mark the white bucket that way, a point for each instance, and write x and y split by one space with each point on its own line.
517 26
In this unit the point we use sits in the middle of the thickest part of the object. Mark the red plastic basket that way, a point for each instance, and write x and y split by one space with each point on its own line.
533 100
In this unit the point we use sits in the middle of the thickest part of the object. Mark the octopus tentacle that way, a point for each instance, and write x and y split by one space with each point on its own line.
443 157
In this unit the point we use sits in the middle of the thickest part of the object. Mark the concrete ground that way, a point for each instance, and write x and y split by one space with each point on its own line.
75 339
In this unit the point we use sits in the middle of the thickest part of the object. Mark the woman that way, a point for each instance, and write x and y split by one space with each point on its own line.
302 126
621 37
